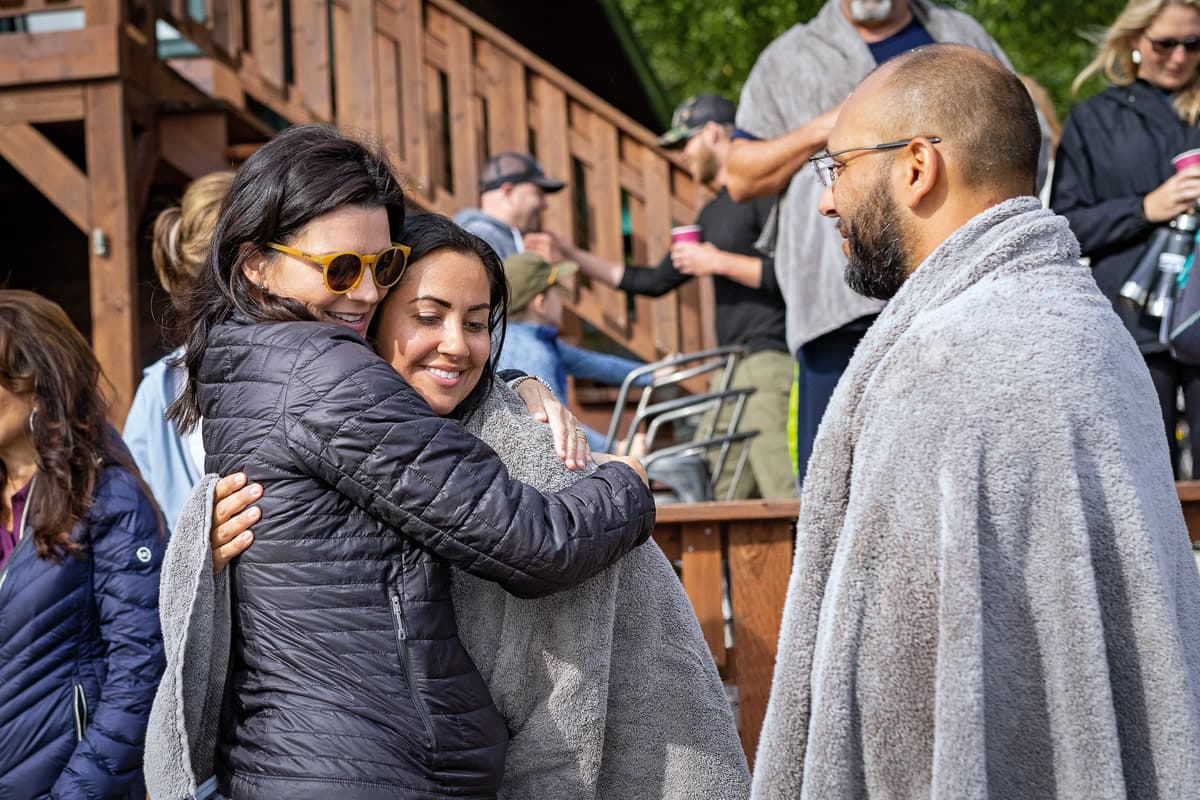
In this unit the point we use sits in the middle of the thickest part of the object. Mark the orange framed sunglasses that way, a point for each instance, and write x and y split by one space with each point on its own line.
343 271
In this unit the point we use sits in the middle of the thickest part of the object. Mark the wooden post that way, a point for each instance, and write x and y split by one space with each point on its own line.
760 561
113 256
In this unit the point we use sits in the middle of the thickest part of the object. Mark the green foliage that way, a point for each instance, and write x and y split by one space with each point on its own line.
710 45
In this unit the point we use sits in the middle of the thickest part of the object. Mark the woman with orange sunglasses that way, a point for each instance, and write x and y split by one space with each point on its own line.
370 498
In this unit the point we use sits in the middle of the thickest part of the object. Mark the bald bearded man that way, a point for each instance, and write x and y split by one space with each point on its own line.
993 593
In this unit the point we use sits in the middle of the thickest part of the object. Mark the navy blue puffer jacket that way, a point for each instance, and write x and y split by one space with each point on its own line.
81 652
347 678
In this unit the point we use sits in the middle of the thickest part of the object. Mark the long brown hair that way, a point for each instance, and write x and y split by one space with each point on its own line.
42 353
306 171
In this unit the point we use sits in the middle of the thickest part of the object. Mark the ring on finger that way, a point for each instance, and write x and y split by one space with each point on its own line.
580 432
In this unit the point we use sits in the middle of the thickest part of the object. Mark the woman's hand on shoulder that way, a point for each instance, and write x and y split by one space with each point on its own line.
570 442
232 517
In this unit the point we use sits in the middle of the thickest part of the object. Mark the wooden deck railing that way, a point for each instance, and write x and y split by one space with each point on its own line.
443 90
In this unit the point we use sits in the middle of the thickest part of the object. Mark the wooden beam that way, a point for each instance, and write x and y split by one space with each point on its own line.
22 7
760 561
410 42
311 62
464 127
550 121
508 110
104 12
604 196
41 104
703 582
145 165
113 255
355 78
196 143
663 312
51 172
83 54
266 40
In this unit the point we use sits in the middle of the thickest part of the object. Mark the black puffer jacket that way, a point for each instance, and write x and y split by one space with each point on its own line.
348 679
1116 148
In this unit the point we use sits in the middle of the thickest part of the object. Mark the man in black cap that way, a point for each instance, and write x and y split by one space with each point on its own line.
512 197
750 310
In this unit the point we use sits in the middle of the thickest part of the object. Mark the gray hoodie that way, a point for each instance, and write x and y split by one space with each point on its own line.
504 238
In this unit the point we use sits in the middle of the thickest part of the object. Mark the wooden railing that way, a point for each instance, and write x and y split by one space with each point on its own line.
443 90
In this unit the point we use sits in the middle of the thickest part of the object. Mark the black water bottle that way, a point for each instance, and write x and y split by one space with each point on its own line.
1144 275
1171 261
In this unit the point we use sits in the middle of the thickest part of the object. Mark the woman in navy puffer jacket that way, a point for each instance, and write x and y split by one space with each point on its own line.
81 544
347 678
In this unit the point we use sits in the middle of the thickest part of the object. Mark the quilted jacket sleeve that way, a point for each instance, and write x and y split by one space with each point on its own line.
367 433
126 548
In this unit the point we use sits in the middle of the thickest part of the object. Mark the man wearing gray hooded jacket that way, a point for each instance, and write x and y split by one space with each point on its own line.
512 197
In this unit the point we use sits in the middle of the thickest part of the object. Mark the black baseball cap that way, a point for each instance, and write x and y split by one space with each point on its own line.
693 114
515 168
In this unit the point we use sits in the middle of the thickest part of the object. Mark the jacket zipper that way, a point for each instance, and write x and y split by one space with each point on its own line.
21 537
81 711
402 641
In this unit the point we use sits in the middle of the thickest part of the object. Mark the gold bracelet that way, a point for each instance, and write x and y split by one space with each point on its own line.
518 381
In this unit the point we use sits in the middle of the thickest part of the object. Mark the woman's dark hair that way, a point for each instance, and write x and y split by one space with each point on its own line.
428 233
305 172
42 353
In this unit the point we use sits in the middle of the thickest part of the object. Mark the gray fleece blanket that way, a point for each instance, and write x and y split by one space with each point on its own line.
609 690
993 593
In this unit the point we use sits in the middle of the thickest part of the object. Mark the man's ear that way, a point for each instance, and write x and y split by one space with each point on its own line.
538 304
921 168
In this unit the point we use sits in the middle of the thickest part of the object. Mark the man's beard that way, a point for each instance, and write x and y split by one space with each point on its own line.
870 10
878 263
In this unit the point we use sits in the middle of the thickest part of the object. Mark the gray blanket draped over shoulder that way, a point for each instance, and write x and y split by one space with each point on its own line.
609 689
993 593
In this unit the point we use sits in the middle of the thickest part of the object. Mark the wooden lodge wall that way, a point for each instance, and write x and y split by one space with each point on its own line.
440 88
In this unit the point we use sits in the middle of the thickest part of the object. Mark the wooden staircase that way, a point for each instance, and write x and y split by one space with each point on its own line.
438 86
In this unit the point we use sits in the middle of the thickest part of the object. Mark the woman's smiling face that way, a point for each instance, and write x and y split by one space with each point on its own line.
433 329
346 229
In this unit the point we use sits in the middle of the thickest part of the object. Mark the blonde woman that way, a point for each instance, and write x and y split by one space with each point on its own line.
171 462
1113 176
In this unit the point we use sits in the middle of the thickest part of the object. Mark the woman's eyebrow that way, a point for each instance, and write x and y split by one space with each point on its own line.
447 304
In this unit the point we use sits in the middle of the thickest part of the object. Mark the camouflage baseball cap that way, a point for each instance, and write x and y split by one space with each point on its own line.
692 115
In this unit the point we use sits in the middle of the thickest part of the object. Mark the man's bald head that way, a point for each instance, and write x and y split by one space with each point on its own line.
979 108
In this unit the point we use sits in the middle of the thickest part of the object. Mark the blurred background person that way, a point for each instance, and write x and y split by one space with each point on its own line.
1113 177
538 291
512 197
749 307
172 462
81 545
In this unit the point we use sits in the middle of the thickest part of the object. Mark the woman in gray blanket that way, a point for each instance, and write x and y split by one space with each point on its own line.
346 675
608 690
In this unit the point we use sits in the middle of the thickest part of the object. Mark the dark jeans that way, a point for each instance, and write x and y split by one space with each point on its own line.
1169 376
822 362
